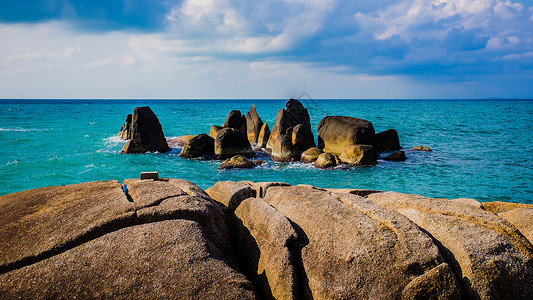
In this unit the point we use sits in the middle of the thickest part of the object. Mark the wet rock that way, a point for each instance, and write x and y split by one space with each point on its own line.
489 256
387 141
146 133
336 133
326 161
364 155
396 156
180 141
201 145
283 136
239 162
264 135
230 142
420 148
310 155
253 125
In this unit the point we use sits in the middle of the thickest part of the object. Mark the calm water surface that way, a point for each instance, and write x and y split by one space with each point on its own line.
482 148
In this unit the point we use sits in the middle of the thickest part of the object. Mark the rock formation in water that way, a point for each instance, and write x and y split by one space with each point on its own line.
336 133
168 238
253 125
146 133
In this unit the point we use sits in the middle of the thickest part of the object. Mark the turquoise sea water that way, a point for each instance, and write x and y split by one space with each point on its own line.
482 148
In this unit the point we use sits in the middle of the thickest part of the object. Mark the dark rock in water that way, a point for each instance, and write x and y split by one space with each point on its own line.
264 135
302 138
230 142
239 162
199 146
253 125
336 133
364 155
125 129
215 129
281 139
310 155
146 133
233 120
180 141
387 140
396 156
326 161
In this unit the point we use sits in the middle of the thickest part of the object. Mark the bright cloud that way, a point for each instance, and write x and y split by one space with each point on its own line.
163 48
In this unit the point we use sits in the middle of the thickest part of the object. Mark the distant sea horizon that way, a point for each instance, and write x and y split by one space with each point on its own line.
481 147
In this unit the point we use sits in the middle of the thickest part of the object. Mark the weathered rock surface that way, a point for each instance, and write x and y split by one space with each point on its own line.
355 249
42 222
253 125
387 141
336 133
180 141
364 155
326 161
264 237
396 156
288 140
230 142
239 162
264 135
199 146
231 193
311 155
146 133
215 129
163 260
518 214
489 255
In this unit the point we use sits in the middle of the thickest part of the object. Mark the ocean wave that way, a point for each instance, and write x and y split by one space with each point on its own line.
19 129
114 140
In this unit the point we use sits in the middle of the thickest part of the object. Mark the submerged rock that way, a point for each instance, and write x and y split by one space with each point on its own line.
336 133
420 148
239 162
146 133
326 161
396 156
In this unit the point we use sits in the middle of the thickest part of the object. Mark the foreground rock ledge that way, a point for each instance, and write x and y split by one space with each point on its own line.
244 240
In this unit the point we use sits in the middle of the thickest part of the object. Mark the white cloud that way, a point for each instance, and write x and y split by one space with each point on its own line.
115 60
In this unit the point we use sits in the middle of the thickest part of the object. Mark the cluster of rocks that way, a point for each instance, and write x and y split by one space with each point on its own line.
169 239
341 139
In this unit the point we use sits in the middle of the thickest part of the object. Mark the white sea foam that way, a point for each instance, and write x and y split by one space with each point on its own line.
18 129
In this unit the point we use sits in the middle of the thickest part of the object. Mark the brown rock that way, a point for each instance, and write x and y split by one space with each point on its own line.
396 156
336 133
215 129
231 193
326 161
310 155
230 142
125 129
239 162
264 237
253 125
264 135
39 223
199 146
492 259
364 155
521 218
355 249
163 260
302 138
387 141
421 148
180 141
499 206
146 133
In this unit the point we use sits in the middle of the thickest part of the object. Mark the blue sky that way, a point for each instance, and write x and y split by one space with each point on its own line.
266 49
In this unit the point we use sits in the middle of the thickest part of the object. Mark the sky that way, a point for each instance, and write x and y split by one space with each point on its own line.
196 49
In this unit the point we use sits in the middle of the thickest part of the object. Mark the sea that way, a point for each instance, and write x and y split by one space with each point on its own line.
482 149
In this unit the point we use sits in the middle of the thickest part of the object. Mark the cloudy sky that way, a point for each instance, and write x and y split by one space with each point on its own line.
266 49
